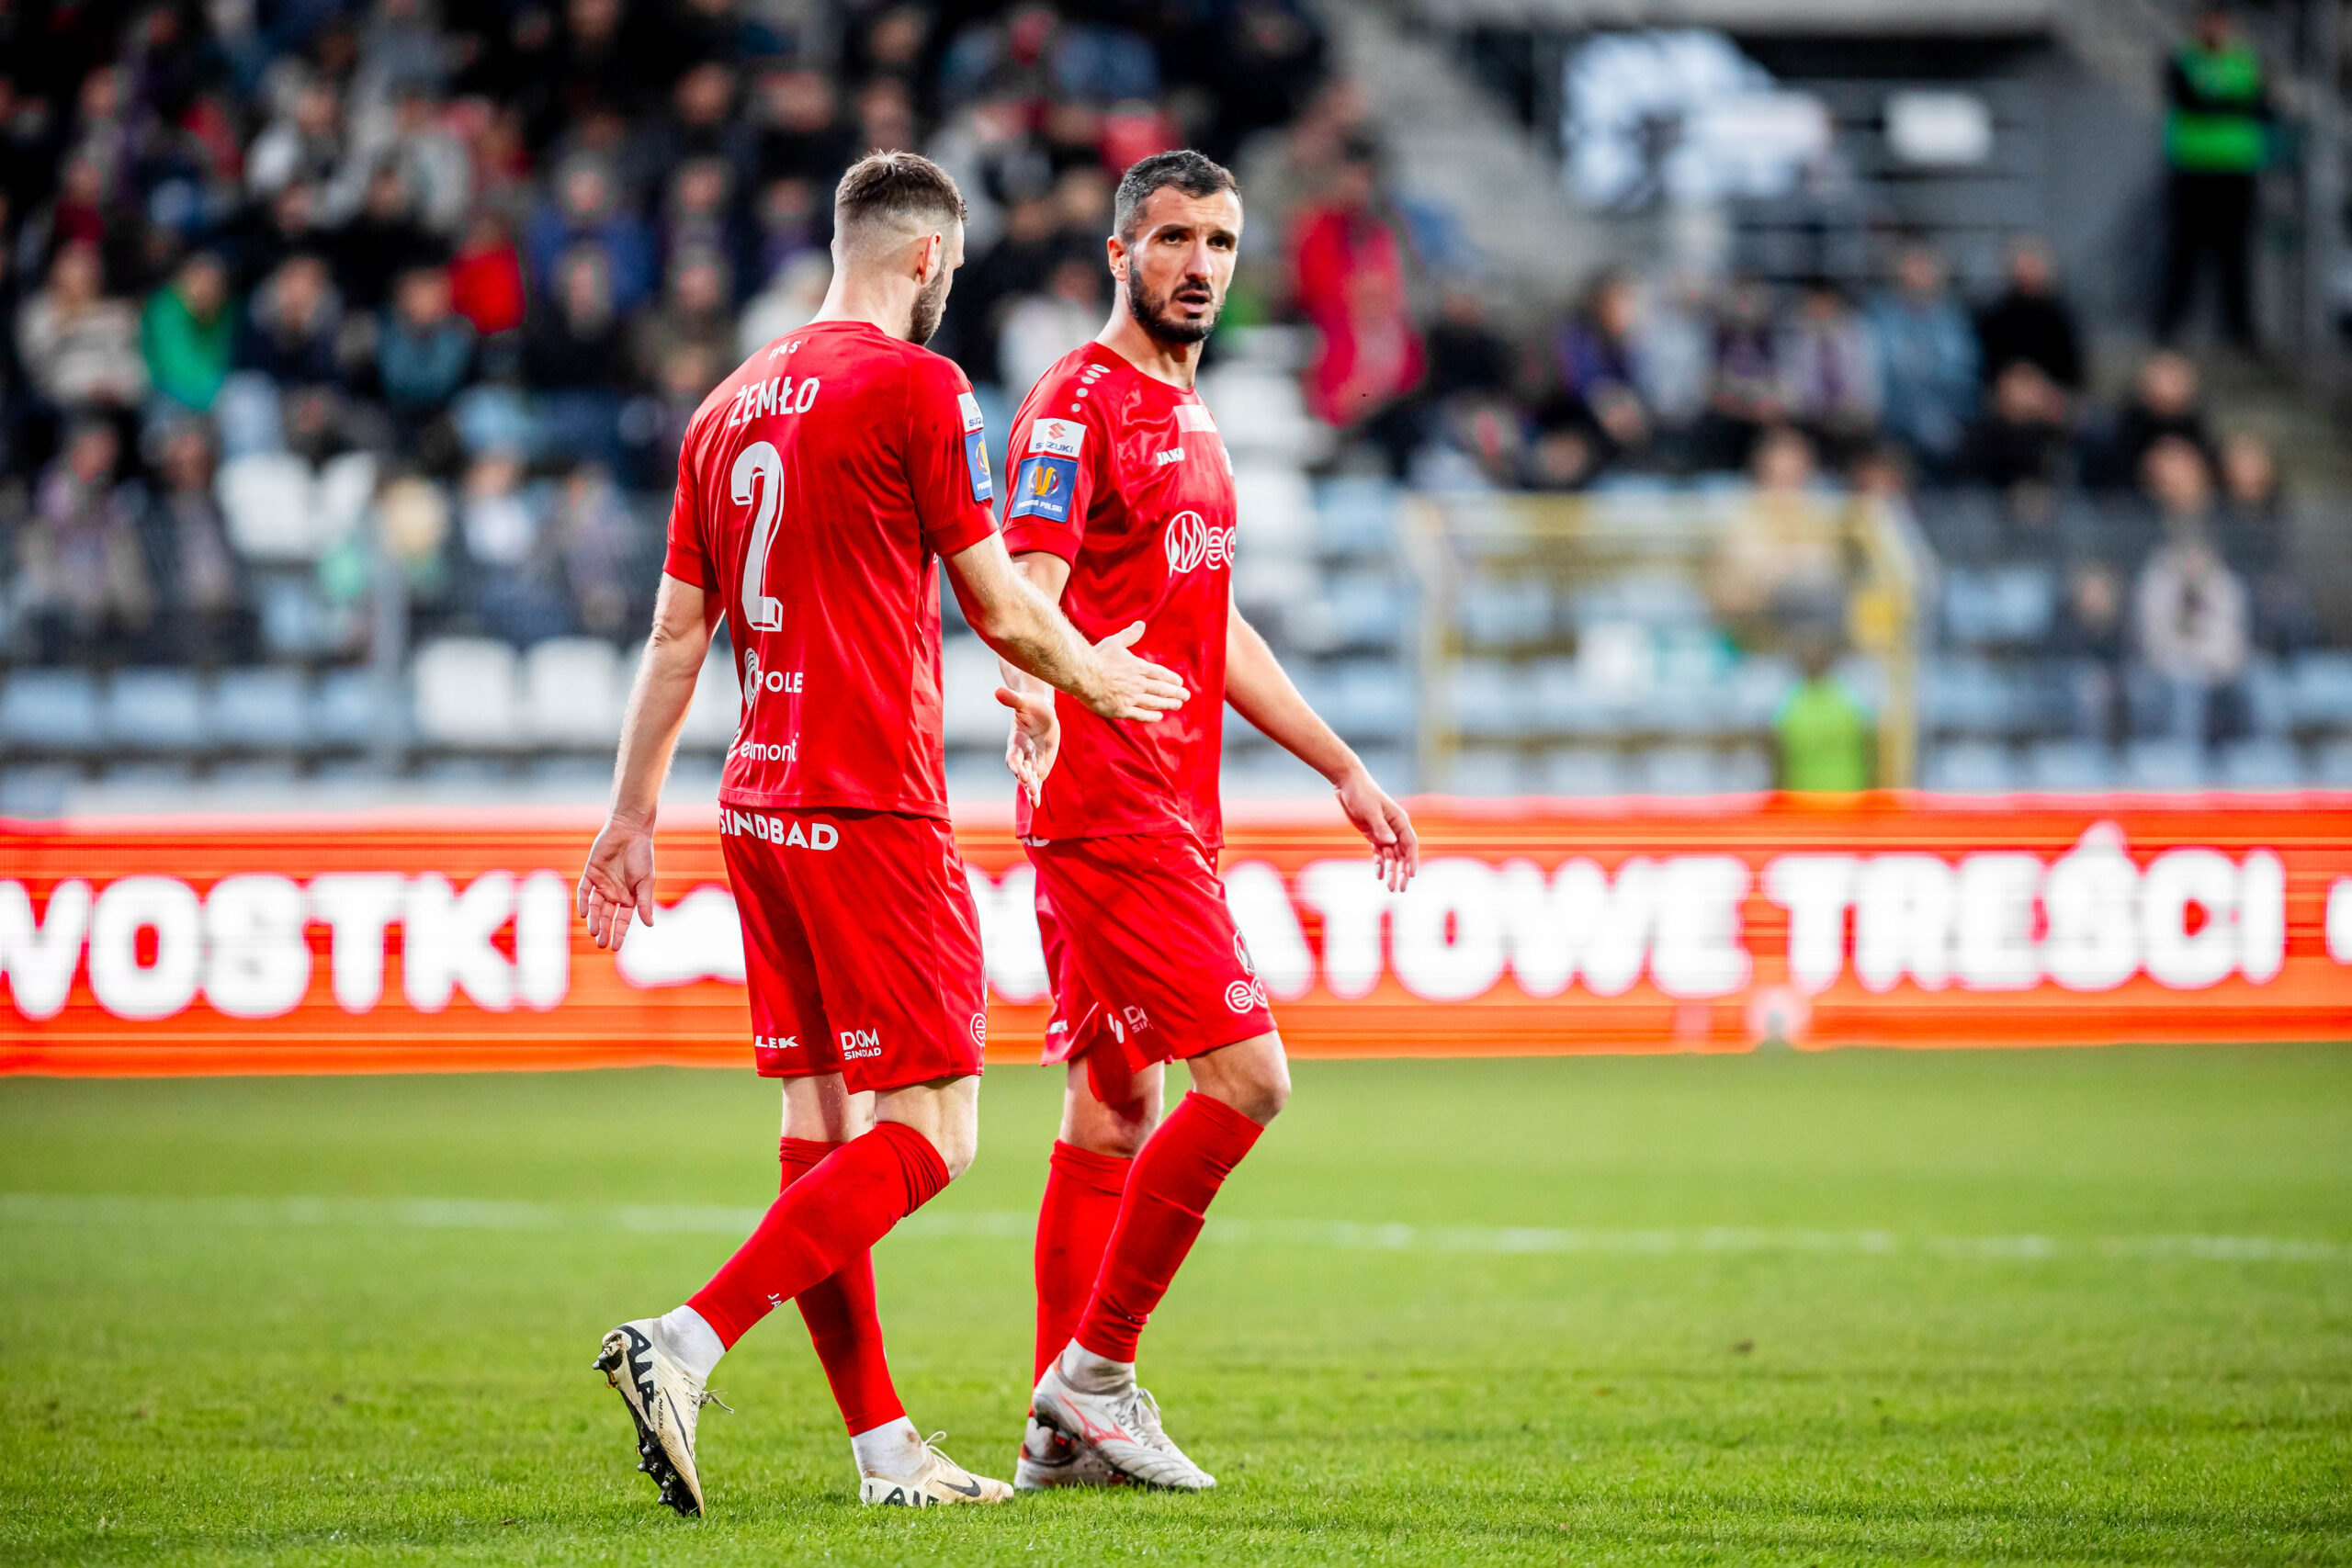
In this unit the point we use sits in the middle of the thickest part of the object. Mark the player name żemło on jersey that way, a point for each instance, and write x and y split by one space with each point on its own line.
818 487
1124 477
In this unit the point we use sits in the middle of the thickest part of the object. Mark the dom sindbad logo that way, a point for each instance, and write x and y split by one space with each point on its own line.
1190 542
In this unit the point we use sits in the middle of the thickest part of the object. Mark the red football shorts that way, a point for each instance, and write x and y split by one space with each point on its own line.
861 945
1146 961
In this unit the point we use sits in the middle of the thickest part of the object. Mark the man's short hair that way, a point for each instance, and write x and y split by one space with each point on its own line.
898 190
1187 171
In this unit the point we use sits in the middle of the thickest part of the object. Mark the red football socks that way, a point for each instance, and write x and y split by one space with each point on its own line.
1169 1191
832 1214
1082 1192
839 1310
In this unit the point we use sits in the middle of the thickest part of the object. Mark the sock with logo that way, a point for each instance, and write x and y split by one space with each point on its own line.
1082 1193
830 1215
839 1310
1168 1198
893 1449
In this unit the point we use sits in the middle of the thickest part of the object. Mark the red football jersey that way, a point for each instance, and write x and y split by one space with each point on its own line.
1126 478
817 489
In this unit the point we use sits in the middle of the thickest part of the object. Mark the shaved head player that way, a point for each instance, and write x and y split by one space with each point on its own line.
1120 508
818 490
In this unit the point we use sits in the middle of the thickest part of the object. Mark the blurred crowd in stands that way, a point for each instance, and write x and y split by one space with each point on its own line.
269 267
305 293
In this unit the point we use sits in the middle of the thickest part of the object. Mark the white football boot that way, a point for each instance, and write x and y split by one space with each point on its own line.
1122 1428
937 1481
1050 1459
665 1400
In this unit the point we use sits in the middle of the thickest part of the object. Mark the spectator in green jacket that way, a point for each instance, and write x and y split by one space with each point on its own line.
2217 140
188 332
1825 739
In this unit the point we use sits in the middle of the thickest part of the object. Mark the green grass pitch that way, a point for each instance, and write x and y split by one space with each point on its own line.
2091 1307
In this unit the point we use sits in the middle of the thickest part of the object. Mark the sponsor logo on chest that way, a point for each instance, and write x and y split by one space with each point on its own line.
1192 544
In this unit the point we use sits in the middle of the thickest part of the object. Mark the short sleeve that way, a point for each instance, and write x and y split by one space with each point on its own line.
948 457
1053 484
686 559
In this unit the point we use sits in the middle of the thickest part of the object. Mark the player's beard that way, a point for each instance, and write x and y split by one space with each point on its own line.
931 305
1154 314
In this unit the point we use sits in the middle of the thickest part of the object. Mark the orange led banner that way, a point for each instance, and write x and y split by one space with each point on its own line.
445 940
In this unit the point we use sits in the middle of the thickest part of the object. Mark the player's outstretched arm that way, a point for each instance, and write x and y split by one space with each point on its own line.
1029 632
618 880
1260 693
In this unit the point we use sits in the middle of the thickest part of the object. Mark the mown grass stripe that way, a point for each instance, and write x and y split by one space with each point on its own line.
496 1215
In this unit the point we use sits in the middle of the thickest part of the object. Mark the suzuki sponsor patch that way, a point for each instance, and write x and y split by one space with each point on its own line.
1057 437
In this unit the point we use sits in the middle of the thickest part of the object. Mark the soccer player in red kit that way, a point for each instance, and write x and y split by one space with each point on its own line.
1120 507
818 489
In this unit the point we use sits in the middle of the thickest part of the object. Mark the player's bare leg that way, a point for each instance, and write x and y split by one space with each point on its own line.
923 1136
1090 1394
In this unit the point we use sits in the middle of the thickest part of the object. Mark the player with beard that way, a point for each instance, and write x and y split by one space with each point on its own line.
1121 509
818 490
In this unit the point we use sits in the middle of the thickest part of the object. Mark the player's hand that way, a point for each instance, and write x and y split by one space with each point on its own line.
1035 740
1396 852
1128 687
617 883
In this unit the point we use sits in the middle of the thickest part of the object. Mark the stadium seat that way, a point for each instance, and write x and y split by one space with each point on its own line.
568 685
1680 770
2069 765
2321 688
153 711
1273 510
2270 697
717 705
49 710
1746 769
2266 763
349 711
276 510
465 694
2331 766
1259 408
2003 605
1366 609
1486 771
1967 695
1579 770
1561 703
2164 765
969 677
260 710
1365 699
1355 516
1495 612
1754 690
1970 767
1489 699
266 504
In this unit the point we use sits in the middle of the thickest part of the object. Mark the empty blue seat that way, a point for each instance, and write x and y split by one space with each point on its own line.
1355 516
2164 765
156 710
262 710
1489 699
2069 765
1514 610
1488 771
1366 608
2261 764
1368 698
1967 695
1680 770
49 710
1580 770
2321 688
1972 767
348 711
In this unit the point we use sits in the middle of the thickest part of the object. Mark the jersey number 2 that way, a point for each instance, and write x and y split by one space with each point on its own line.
759 462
